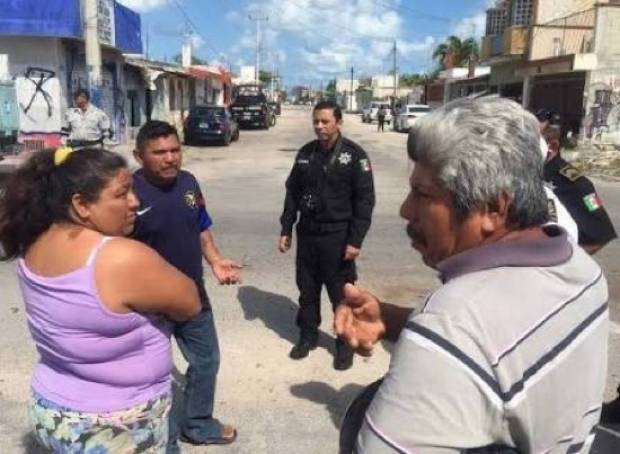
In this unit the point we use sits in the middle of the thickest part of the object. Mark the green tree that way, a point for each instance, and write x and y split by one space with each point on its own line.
265 76
195 60
455 52
330 90
411 80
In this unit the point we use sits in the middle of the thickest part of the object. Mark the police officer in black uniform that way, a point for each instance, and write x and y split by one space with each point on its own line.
574 189
331 186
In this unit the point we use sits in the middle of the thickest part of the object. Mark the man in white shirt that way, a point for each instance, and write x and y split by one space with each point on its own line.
87 125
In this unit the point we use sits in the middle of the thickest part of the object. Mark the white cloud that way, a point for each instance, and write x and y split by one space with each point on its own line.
324 38
143 6
472 26
197 41
233 16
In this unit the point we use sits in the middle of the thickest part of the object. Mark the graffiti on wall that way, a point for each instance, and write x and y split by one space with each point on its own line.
603 117
39 77
37 90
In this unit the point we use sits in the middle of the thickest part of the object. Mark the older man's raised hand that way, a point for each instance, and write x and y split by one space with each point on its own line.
358 320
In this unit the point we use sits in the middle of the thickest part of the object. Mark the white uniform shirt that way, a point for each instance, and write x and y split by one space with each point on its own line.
558 212
92 124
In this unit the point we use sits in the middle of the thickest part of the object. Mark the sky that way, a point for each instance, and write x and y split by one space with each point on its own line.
309 42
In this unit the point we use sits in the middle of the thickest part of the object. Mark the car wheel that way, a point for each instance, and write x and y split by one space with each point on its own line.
235 136
187 140
226 140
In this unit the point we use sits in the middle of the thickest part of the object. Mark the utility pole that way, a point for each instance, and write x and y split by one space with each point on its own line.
93 51
258 20
351 95
273 72
395 69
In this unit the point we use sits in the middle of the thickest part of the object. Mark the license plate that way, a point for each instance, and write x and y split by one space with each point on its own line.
247 114
203 125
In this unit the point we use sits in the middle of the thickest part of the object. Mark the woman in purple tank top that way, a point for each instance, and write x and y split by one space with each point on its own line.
97 303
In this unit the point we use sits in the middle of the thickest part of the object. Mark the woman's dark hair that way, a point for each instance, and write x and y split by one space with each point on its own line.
39 193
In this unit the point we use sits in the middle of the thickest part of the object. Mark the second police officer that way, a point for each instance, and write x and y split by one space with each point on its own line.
574 189
331 187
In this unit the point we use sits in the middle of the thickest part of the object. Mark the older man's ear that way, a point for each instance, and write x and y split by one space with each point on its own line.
495 216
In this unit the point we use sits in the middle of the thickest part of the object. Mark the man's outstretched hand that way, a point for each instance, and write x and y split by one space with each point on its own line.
226 271
358 320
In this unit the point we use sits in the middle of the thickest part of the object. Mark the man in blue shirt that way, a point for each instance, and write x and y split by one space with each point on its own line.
174 221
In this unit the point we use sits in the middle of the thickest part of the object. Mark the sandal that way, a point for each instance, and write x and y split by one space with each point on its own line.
227 436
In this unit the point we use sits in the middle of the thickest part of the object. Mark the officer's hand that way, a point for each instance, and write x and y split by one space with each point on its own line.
358 320
226 271
285 244
351 253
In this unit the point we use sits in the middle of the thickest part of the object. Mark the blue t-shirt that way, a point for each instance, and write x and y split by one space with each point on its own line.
170 220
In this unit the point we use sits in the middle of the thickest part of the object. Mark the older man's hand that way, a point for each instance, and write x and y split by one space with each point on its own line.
358 320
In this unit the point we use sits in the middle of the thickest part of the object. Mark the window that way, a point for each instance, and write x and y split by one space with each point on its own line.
496 21
521 12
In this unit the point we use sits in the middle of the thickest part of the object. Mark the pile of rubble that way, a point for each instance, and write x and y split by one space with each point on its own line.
595 159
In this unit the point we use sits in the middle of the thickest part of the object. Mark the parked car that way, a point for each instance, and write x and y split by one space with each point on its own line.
208 123
250 108
407 115
369 114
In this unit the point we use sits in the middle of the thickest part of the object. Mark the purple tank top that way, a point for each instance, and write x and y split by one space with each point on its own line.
92 360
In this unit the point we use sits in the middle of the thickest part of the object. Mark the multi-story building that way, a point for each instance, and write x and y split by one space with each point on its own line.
558 54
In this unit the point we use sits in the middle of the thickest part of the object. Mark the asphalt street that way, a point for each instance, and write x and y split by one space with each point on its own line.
279 405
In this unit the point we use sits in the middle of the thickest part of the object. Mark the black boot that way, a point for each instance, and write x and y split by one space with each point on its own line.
343 359
303 347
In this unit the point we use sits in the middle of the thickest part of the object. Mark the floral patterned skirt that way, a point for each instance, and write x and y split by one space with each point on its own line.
139 429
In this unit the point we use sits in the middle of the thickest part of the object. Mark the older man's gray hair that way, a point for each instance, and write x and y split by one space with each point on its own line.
480 148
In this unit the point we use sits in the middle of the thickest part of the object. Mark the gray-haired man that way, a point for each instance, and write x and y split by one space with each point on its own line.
520 317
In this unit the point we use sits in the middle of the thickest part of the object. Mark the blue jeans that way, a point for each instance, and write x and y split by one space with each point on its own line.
197 340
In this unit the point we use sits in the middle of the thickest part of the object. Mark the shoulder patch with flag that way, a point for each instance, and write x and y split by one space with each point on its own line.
365 165
592 201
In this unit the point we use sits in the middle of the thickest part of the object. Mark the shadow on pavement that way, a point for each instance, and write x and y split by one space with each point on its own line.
336 401
277 312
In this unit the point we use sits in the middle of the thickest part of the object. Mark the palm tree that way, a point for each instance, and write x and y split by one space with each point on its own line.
454 52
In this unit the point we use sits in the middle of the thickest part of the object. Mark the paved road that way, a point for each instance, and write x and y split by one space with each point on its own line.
278 405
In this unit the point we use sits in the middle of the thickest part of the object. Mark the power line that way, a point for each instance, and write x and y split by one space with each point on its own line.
418 13
189 21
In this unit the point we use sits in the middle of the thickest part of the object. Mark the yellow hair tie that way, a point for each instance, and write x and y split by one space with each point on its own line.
61 154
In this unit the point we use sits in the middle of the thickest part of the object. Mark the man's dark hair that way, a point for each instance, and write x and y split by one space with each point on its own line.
550 116
154 129
331 105
81 92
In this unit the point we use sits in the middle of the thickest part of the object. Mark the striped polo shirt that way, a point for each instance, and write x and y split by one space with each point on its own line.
511 350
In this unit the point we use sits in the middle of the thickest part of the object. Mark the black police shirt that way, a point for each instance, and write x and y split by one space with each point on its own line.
579 196
170 220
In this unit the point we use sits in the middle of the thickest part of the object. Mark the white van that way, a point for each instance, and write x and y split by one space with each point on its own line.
407 115
369 114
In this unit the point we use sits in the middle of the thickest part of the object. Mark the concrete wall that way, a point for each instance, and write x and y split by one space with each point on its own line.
602 93
45 53
548 10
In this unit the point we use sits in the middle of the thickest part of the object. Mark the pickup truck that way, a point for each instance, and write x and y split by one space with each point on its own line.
252 109
369 114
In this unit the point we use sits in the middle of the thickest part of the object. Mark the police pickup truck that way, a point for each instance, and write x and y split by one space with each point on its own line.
250 108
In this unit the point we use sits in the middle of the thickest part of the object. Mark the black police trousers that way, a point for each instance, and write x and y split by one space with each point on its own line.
320 261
